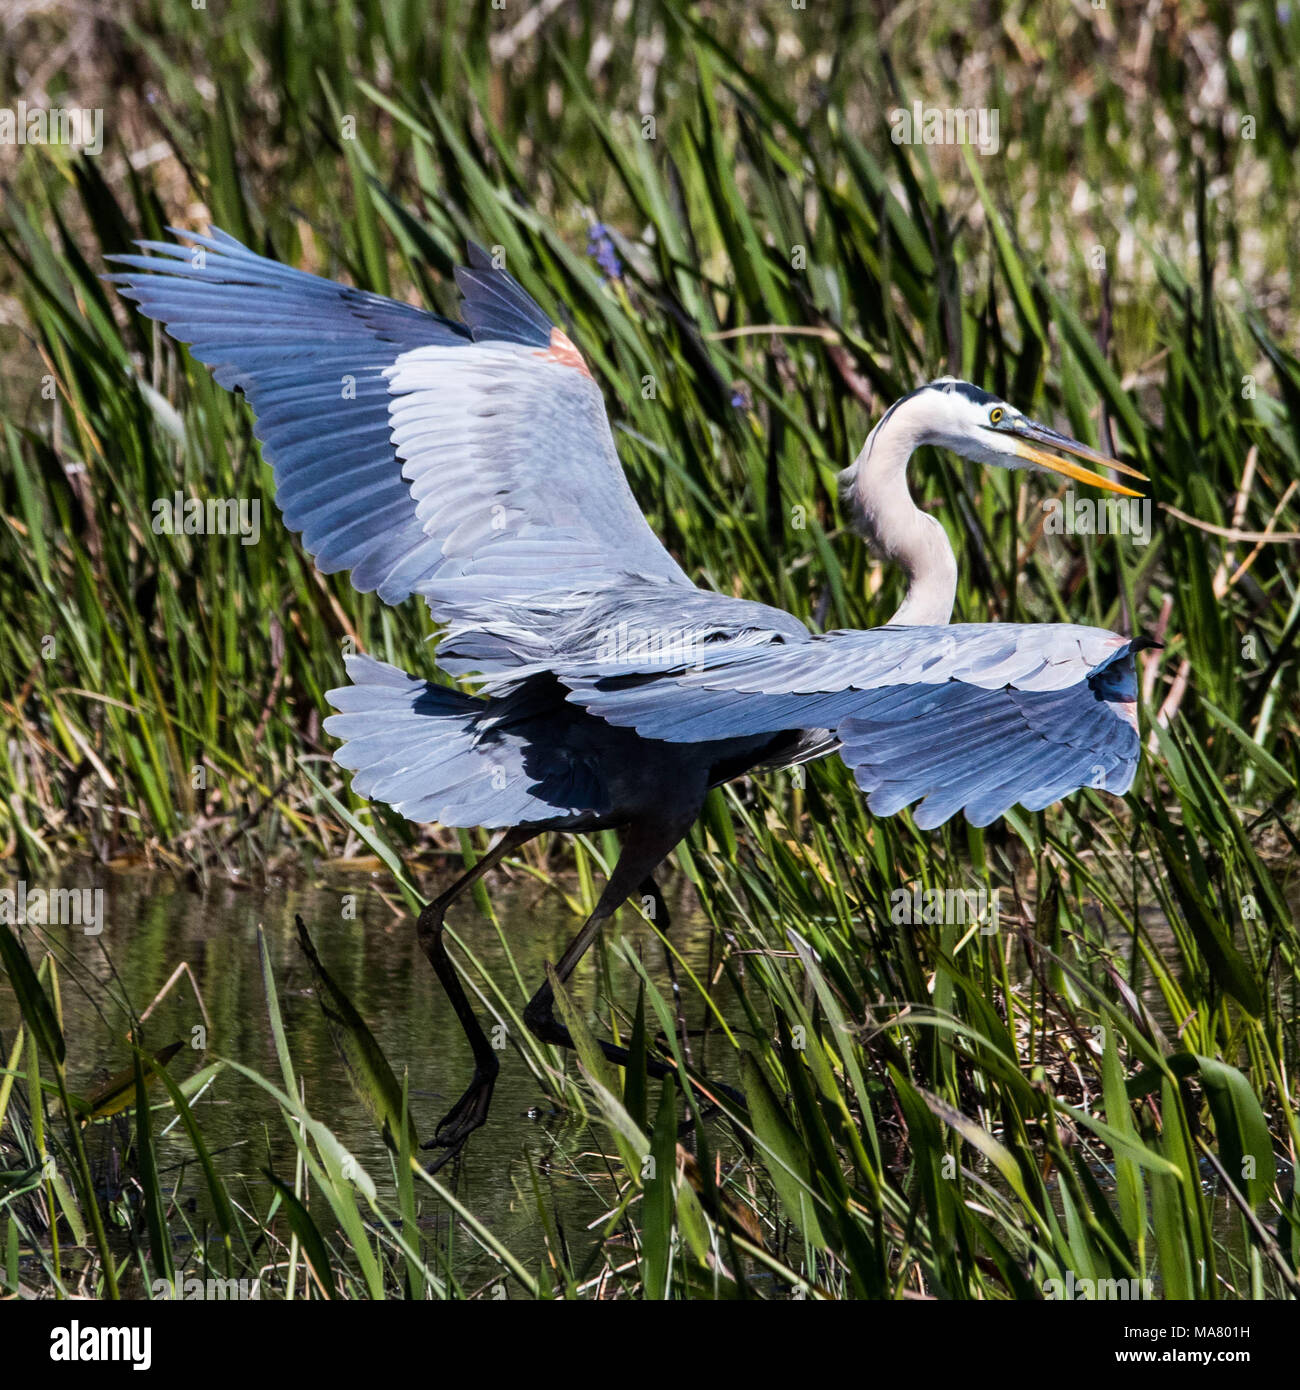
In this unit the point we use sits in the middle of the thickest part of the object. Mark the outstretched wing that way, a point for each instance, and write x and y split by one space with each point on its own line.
977 717
462 461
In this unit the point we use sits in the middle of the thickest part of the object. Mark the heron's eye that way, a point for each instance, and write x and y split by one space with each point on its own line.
996 414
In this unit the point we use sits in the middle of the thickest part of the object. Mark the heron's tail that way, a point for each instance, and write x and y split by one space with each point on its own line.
436 754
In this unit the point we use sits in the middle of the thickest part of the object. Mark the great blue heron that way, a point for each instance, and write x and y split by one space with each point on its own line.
472 463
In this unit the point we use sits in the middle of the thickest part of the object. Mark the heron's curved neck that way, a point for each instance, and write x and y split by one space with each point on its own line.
875 492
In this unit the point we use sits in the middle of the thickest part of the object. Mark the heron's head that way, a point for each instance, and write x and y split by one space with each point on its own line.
977 425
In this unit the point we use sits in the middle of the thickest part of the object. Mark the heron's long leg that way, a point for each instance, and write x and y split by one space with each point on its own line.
645 847
471 1109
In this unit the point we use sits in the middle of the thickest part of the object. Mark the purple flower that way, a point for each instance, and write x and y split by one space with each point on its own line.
600 247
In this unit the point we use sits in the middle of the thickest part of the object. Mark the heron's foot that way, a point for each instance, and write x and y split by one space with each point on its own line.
468 1114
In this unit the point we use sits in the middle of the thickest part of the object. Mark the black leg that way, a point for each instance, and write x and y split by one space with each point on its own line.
470 1111
645 847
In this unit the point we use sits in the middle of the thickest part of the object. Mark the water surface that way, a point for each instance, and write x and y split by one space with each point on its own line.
151 924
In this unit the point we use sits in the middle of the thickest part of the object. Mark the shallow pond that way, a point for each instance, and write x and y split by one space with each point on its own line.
151 924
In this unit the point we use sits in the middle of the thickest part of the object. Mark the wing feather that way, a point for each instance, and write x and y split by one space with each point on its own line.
460 461
970 717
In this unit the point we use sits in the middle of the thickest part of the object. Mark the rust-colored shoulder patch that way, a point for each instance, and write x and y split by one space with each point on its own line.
563 353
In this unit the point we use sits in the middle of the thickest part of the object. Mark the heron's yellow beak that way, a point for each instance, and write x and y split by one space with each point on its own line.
1021 444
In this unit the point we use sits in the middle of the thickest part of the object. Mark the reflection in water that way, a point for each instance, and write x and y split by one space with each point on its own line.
152 924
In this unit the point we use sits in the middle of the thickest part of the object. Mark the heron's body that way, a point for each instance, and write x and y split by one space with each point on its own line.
473 464
526 758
